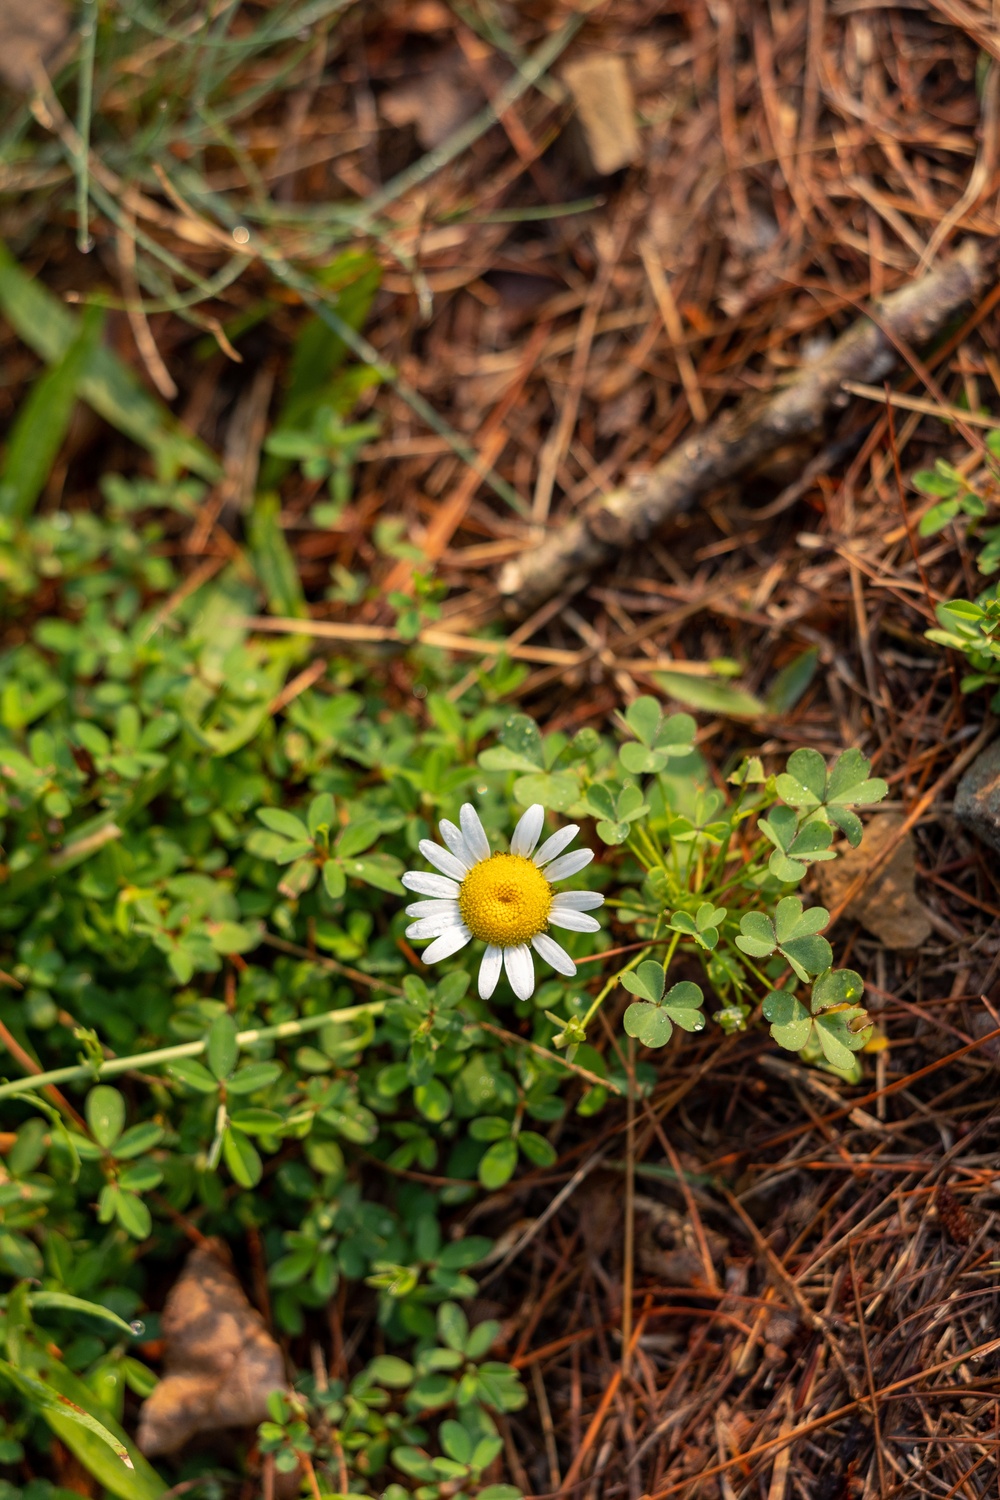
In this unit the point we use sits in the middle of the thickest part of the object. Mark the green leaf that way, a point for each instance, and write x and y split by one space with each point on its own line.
356 837
42 422
848 822
253 1076
555 790
222 1050
644 717
714 694
521 735
135 1480
849 781
61 1413
138 1139
193 1075
497 1165
539 1151
836 1037
453 1326
808 955
681 1003
389 1370
648 1023
837 987
433 1100
804 781
242 1159
322 814
938 517
756 935
234 937
647 981
273 561
285 823
613 833
790 921
255 1121
792 682
378 870
63 1302
105 1110
456 1441
791 1023
334 879
132 1214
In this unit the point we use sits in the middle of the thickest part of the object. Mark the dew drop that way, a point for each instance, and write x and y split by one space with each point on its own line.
137 1326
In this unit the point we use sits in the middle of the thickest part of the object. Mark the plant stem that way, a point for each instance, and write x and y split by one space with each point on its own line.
115 1065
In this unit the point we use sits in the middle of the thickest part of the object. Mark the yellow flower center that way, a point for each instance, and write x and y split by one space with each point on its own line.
505 900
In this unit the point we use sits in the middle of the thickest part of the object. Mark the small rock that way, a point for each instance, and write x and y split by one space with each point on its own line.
977 797
888 906
606 109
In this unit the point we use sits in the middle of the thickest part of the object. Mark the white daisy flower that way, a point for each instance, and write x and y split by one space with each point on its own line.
505 900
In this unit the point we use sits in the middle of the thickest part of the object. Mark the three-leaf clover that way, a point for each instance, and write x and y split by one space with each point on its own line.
792 933
616 813
703 927
659 738
652 1018
838 1025
806 784
522 748
795 848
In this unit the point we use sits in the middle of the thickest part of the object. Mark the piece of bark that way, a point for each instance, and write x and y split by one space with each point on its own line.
605 108
977 796
888 905
221 1363
743 436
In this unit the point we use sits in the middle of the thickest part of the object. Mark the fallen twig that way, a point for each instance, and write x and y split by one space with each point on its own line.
744 435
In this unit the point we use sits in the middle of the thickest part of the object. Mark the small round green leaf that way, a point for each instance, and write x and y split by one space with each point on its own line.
105 1111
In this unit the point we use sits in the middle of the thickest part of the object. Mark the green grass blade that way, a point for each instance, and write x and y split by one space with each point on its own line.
105 383
42 422
273 561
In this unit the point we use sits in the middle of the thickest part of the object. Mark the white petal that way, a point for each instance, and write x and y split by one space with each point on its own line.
489 970
525 835
429 885
439 908
568 864
432 927
476 841
573 921
577 900
456 843
442 860
448 943
520 970
557 843
553 954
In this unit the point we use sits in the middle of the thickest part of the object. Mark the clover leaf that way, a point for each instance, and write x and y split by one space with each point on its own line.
651 1018
659 738
793 933
806 784
791 1023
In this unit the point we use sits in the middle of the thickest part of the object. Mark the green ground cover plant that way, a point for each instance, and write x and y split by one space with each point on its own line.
203 950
